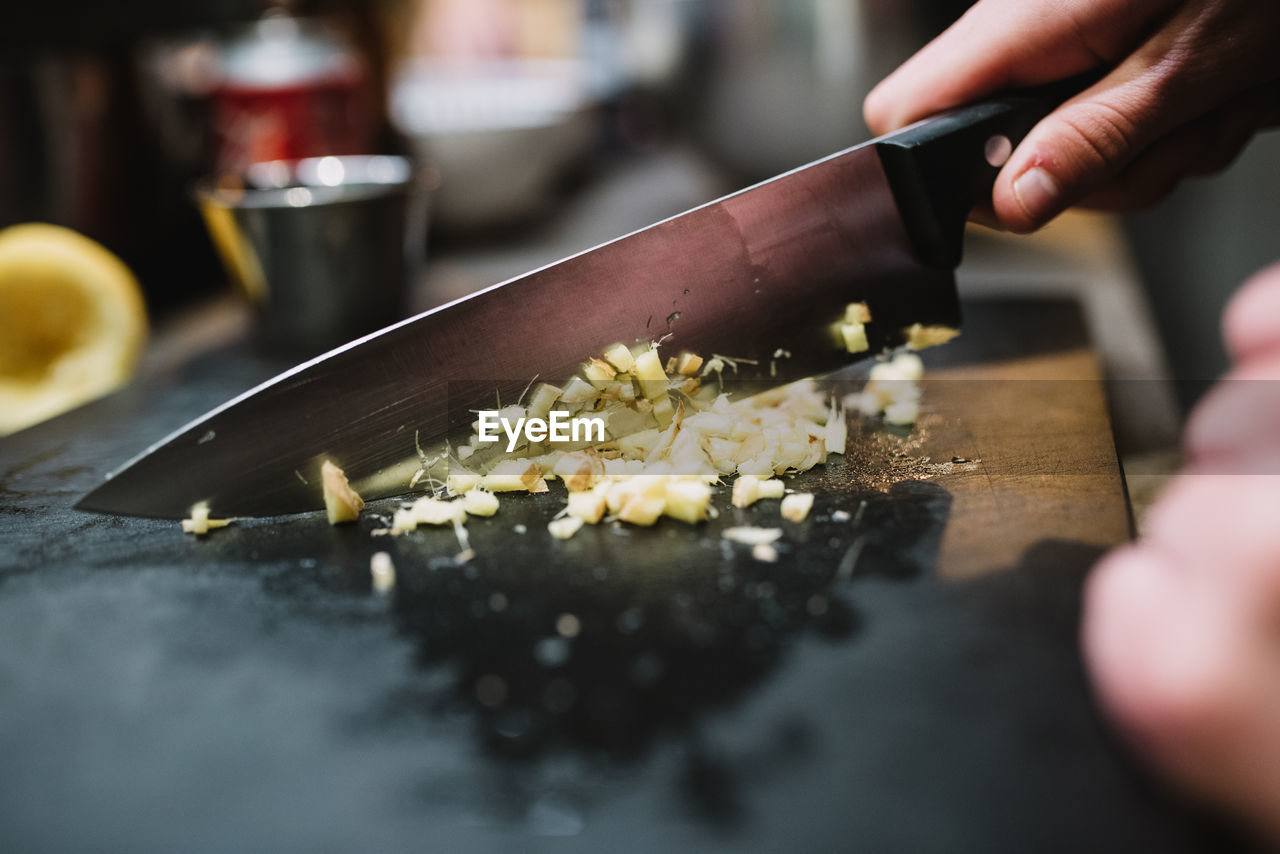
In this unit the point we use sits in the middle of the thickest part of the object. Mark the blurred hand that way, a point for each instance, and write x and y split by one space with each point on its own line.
1182 628
1188 83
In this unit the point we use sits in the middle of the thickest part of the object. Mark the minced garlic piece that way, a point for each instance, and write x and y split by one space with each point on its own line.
514 476
479 502
857 312
653 379
383 572
835 432
200 523
919 336
688 364
687 501
796 507
750 535
893 389
854 336
765 553
340 500
902 413
620 357
436 511
642 510
748 489
460 482
599 373
565 527
587 506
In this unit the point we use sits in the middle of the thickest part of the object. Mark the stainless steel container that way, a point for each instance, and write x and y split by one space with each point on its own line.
325 247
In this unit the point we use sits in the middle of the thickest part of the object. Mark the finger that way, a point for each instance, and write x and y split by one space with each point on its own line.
1236 427
1003 44
1249 326
1176 76
1204 146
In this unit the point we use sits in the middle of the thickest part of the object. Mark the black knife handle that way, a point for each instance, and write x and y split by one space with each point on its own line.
938 168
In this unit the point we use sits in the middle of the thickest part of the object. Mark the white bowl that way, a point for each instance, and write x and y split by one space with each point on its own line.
499 133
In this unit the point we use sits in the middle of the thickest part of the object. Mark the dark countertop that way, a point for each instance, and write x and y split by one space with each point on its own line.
249 692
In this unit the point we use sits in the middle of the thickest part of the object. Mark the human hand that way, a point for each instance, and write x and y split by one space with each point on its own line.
1182 628
1187 84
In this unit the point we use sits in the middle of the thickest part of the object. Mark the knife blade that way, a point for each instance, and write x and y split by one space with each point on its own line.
760 272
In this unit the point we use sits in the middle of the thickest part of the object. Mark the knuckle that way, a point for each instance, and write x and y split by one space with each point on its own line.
1101 134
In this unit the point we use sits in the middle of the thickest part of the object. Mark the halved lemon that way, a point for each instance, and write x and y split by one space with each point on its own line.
72 323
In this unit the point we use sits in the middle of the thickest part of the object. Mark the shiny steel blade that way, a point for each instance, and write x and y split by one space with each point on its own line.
757 274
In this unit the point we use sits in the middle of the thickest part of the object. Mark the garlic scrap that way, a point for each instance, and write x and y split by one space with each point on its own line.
341 502
200 523
796 507
749 535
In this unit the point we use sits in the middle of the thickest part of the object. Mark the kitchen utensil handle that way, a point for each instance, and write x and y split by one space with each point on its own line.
941 167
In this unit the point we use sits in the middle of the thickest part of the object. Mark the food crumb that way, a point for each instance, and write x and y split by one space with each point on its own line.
796 507
750 535
200 523
341 502
565 527
383 572
764 553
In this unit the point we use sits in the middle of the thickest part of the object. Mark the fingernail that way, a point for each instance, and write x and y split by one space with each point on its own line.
1038 193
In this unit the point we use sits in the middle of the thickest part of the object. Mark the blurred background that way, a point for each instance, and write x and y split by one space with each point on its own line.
542 127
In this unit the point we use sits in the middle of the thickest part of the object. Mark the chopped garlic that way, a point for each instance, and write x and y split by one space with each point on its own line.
542 400
642 510
435 511
514 476
587 506
460 482
764 553
580 470
854 336
919 336
903 366
902 413
403 520
857 312
835 433
599 373
653 379
340 500
688 364
620 357
672 439
748 489
564 528
200 523
383 572
750 535
687 501
796 507
478 502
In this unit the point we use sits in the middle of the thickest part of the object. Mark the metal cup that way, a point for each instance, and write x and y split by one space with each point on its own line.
325 247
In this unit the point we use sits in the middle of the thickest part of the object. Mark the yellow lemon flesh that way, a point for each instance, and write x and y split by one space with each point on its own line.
72 323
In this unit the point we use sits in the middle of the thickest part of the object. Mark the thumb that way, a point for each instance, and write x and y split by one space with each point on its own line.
1076 149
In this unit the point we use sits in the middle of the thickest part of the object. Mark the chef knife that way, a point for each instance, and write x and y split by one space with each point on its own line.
759 275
